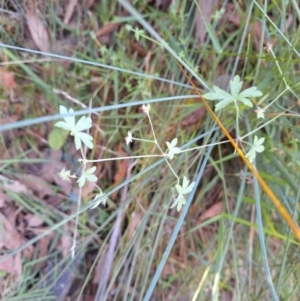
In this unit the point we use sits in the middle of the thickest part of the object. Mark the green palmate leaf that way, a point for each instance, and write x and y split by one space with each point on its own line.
260 113
65 174
84 123
235 86
84 138
219 94
128 27
250 92
179 202
138 33
172 149
102 200
257 147
88 175
234 95
183 189
69 122
129 137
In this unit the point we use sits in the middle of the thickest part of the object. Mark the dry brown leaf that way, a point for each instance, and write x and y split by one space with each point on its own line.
207 9
89 3
226 295
11 212
99 268
7 80
122 170
7 232
169 269
18 267
66 241
212 211
43 244
255 29
138 48
105 34
69 11
134 223
231 15
8 265
38 31
12 266
50 171
15 186
36 184
121 174
4 198
33 220
107 29
162 4
194 117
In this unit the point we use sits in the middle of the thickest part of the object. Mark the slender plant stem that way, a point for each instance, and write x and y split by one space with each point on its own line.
122 158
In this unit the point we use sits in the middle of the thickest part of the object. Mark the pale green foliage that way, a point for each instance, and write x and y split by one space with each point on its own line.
137 32
181 54
84 123
128 139
257 147
234 95
218 14
128 27
88 175
102 200
182 190
260 113
172 149
65 174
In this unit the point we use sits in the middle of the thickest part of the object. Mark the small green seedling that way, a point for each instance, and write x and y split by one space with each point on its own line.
172 149
235 95
257 147
182 190
88 174
84 123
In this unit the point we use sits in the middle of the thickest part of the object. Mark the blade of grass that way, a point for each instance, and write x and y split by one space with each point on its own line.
74 59
285 255
23 123
262 241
